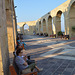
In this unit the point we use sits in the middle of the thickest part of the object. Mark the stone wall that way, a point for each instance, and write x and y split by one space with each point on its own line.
7 34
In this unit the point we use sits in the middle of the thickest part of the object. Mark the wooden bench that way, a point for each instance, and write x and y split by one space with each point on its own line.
13 72
65 36
53 35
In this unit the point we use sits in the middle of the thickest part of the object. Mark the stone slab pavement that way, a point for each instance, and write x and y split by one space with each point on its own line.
56 56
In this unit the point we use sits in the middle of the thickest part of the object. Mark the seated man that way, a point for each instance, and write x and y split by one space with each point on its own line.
22 64
26 58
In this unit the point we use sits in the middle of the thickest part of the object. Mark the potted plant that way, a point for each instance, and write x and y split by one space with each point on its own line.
60 34
73 28
41 34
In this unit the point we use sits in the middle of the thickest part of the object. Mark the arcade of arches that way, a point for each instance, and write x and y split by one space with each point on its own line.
51 22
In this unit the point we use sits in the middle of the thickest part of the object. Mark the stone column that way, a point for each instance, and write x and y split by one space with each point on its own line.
54 25
4 54
44 26
10 30
23 29
39 27
49 26
58 25
14 24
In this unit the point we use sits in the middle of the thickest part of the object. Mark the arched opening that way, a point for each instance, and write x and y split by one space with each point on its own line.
72 21
62 23
26 29
44 26
49 25
39 26
53 27
59 22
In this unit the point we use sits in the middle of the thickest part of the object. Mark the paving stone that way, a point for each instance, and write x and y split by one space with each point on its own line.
50 65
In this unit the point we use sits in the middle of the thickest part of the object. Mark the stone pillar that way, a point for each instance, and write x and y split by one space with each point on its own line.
4 54
72 21
22 30
66 26
44 26
58 25
14 25
31 29
39 27
49 26
54 25
10 30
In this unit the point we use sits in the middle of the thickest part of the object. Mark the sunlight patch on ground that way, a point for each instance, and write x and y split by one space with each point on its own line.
68 52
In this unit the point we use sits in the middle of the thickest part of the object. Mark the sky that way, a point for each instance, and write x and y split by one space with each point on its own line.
31 10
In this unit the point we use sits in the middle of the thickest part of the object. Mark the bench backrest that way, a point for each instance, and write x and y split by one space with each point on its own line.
15 66
12 70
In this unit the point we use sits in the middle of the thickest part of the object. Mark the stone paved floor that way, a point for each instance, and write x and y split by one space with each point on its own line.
55 56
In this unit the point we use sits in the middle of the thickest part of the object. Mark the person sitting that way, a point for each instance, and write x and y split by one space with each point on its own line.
21 43
26 58
22 64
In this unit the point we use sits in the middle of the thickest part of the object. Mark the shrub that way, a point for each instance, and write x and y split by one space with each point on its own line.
60 33
73 28
45 34
41 34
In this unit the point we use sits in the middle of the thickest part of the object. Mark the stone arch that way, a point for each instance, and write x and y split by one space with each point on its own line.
69 6
44 26
26 29
49 25
72 20
58 21
31 24
39 27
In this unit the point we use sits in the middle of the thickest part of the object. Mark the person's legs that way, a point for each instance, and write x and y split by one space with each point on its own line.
28 70
33 65
37 68
31 61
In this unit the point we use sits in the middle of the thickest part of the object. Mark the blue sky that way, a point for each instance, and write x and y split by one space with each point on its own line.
31 10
